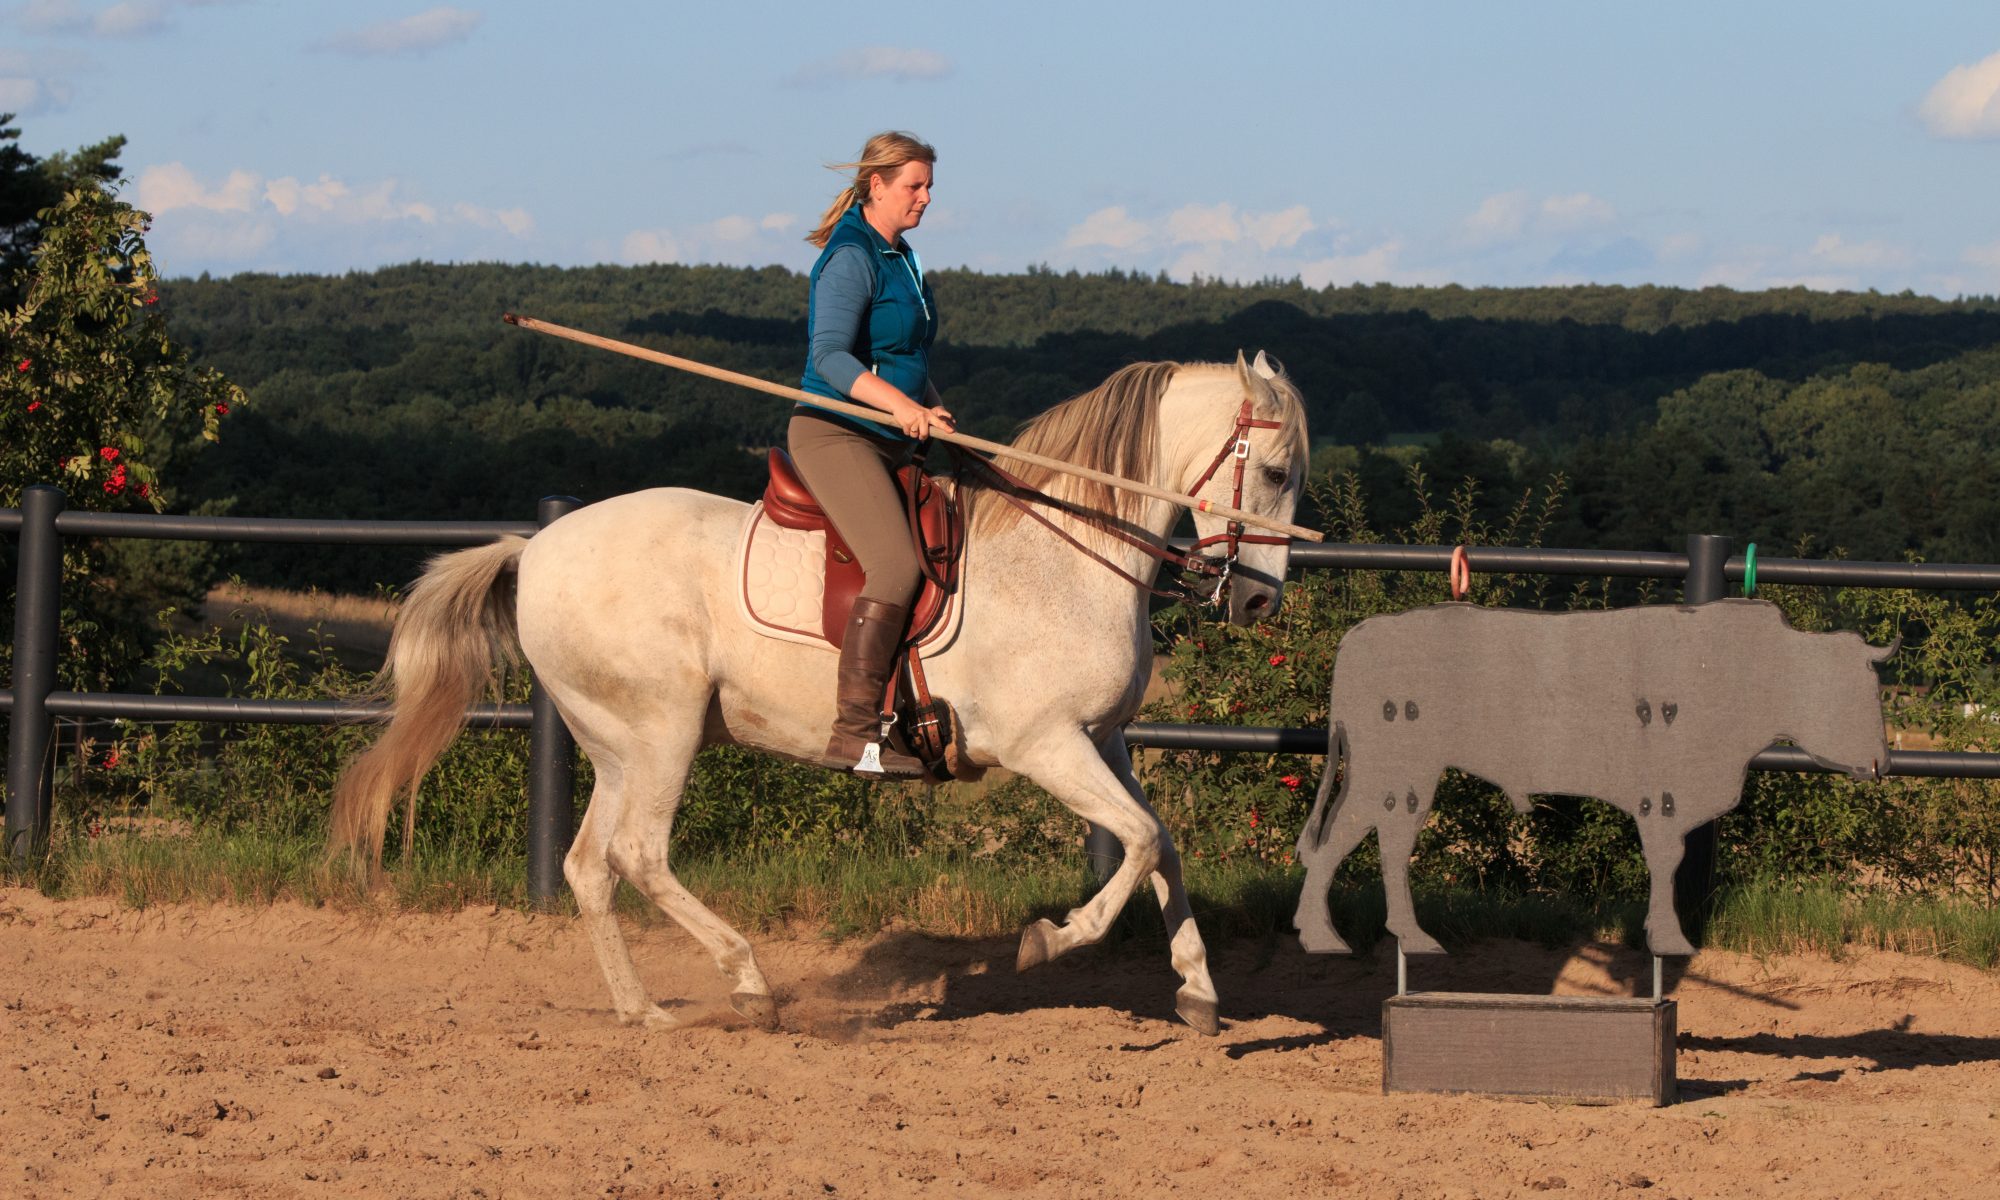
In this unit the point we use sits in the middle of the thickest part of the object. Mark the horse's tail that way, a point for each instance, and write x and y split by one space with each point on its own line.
458 619
1338 766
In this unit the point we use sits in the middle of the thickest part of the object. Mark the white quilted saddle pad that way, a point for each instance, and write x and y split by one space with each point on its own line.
782 574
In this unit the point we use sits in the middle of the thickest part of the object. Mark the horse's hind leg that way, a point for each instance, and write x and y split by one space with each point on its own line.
1098 785
638 849
594 883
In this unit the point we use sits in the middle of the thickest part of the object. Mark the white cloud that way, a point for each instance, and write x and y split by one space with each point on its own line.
28 97
514 220
1966 102
1984 256
1500 217
1215 241
734 229
245 218
130 19
1680 245
53 16
1830 264
171 186
1202 224
427 30
1279 230
1113 228
32 84
1574 211
1834 250
1377 264
1511 216
736 238
899 64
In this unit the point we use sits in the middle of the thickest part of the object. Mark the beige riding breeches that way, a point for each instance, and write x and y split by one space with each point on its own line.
851 475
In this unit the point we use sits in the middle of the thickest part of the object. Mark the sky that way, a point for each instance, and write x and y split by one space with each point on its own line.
1828 144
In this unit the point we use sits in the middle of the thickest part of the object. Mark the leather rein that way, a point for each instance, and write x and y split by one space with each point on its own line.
1236 446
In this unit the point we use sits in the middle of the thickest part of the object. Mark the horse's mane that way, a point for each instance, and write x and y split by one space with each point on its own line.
1114 427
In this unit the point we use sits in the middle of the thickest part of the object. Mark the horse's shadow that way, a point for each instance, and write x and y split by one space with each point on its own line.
1325 999
1258 975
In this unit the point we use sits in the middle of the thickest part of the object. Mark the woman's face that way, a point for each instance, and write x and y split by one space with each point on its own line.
899 202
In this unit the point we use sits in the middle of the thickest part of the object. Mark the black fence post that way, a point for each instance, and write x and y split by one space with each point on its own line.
37 608
1694 880
1105 852
551 767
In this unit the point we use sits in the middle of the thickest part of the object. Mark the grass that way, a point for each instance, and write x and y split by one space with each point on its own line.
1765 917
845 892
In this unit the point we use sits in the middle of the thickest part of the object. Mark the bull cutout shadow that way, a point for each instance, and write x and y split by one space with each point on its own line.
1656 710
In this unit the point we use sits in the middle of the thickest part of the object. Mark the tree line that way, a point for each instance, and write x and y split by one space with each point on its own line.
1859 422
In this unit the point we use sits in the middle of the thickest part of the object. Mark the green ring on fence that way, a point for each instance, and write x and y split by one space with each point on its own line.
1749 570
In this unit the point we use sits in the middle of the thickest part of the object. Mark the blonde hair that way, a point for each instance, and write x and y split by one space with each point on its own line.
884 154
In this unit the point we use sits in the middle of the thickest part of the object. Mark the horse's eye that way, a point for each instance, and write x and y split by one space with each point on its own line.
1276 476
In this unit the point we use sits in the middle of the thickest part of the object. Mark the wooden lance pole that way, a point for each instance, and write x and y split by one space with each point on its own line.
865 413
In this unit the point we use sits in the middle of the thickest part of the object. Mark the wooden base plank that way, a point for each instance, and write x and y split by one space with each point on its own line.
1585 1048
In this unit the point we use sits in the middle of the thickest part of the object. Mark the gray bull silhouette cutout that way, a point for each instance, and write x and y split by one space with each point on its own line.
1657 710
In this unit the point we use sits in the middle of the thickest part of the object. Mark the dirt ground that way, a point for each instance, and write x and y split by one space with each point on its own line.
276 1052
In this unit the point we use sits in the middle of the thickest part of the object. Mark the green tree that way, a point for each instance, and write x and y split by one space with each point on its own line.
95 396
30 185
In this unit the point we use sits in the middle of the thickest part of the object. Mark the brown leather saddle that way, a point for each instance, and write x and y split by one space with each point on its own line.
935 524
924 724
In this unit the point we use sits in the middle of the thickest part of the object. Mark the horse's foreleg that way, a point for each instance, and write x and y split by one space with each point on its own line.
1396 836
639 850
1075 772
1196 1000
593 883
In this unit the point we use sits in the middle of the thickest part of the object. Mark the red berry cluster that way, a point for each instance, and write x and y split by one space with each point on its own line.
114 486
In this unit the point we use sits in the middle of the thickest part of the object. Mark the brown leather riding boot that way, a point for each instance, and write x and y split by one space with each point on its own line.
867 658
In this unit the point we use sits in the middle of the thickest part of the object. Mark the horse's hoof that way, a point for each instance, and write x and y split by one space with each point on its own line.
1200 1014
651 1017
758 1009
1322 941
1037 945
1418 942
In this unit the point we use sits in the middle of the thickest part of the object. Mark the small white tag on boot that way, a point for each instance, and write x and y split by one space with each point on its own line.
871 760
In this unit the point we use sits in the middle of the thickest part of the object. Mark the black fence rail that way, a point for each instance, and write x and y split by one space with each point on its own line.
42 521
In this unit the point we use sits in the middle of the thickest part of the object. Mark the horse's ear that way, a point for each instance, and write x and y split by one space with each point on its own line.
1262 366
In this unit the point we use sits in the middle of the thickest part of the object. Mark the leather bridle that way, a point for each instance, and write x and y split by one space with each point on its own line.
1205 566
1237 448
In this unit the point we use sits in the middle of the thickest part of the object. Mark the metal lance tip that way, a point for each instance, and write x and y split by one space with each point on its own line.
510 318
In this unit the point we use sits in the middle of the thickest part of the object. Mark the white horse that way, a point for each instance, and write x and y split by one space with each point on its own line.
626 610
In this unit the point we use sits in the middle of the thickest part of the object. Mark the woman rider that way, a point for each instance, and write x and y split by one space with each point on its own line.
870 320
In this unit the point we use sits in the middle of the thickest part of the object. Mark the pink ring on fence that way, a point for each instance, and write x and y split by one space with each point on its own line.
1461 574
